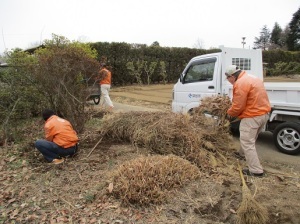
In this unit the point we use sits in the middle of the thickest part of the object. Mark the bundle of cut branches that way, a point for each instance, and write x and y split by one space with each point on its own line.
216 106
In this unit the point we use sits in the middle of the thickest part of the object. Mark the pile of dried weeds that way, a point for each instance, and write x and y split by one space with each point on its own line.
197 138
151 179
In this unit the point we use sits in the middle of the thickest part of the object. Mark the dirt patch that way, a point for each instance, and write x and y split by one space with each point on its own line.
287 78
157 95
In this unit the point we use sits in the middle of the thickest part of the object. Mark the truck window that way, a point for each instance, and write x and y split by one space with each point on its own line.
200 71
242 63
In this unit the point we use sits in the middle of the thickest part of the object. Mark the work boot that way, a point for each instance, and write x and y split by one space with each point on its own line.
248 173
58 161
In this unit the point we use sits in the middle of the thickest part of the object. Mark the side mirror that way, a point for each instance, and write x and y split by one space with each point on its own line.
181 78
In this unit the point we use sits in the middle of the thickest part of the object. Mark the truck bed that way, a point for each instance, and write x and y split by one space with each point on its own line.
284 95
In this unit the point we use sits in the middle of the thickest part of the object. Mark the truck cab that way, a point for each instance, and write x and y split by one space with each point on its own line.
205 76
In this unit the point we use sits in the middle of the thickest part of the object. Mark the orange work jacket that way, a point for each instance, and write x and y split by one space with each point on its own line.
60 131
250 97
105 76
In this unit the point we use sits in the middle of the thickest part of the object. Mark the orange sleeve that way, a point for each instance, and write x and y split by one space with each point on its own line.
239 100
49 132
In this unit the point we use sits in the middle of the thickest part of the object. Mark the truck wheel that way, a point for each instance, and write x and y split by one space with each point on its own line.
96 100
287 138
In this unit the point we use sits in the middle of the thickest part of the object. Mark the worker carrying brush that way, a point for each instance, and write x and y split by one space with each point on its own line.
61 139
250 103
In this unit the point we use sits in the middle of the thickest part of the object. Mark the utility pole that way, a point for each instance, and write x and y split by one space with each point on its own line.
243 42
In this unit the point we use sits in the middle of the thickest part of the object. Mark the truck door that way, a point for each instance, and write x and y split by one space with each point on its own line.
197 81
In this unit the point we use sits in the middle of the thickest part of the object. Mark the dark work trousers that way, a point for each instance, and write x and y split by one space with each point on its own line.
51 151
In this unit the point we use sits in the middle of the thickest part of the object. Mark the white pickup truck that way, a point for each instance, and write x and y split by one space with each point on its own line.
205 76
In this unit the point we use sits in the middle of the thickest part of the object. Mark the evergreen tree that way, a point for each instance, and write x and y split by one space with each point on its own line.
284 36
155 44
293 39
263 41
276 35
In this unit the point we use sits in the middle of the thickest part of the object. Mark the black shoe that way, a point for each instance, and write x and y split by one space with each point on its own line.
248 173
239 156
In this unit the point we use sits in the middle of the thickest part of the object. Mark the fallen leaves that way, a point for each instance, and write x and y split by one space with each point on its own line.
110 187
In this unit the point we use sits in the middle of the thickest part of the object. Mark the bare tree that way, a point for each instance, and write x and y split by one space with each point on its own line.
149 70
199 44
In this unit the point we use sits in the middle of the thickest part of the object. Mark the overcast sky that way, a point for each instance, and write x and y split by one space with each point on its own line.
173 23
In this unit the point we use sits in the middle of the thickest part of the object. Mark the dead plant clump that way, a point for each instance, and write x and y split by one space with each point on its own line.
196 138
151 179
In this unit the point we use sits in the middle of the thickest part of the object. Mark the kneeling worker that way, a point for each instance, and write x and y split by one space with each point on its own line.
60 138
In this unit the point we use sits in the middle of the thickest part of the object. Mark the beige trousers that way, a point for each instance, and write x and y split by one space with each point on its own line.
249 130
105 93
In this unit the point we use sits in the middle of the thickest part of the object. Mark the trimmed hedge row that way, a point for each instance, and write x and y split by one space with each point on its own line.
120 55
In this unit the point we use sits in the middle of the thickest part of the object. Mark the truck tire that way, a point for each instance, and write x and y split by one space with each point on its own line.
287 138
96 100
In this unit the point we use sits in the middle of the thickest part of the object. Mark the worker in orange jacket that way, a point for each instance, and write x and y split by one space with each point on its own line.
250 103
60 138
105 85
